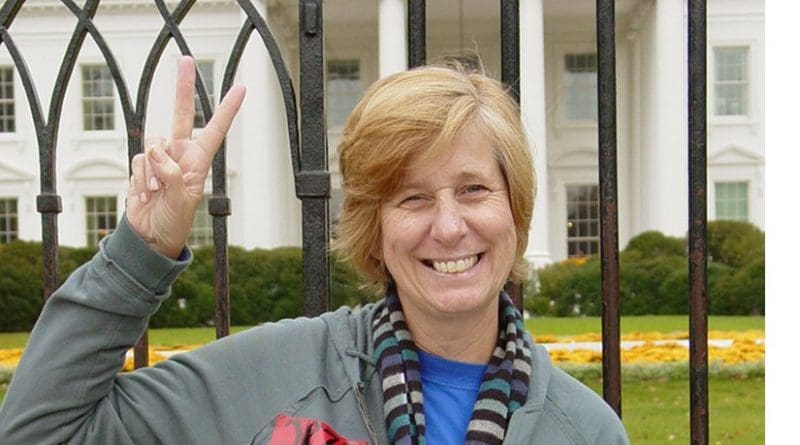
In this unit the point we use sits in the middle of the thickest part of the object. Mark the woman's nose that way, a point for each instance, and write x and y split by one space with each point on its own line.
448 226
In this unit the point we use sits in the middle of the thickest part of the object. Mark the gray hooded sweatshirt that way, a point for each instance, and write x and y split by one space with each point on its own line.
68 389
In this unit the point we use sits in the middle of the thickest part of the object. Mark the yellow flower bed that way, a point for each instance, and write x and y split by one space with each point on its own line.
10 357
651 336
747 347
741 351
157 354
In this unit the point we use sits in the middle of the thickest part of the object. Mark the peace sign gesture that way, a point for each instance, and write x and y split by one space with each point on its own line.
167 180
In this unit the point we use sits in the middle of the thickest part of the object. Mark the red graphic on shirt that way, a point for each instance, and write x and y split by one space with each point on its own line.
299 431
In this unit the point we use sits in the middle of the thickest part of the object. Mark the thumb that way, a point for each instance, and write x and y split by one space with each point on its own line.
173 207
167 171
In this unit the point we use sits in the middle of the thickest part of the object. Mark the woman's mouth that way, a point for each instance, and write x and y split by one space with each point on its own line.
454 266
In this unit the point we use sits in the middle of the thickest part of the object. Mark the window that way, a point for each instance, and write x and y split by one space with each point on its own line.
8 122
206 69
580 86
731 200
101 218
8 220
730 81
202 233
583 220
344 89
98 98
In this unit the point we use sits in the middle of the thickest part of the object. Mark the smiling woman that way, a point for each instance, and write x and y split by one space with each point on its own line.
448 242
439 186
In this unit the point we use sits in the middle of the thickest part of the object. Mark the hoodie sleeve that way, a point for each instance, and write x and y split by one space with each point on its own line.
78 345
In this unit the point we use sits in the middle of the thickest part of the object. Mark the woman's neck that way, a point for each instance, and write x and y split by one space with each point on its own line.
468 339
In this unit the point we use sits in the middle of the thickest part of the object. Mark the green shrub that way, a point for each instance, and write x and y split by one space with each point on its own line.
567 288
654 277
642 279
346 285
674 290
734 243
740 292
654 243
264 285
20 285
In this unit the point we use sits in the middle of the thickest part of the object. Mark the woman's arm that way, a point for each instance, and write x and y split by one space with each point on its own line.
65 387
79 342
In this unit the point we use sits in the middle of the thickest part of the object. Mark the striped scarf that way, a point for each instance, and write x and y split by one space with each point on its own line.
502 391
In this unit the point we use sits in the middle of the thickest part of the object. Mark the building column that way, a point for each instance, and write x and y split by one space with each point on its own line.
664 176
265 210
392 50
532 94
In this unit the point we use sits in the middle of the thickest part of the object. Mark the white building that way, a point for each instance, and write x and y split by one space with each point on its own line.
365 39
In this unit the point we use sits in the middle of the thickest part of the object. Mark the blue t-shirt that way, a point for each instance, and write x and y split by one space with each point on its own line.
449 391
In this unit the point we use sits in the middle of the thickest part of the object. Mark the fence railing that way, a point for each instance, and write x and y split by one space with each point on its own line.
308 145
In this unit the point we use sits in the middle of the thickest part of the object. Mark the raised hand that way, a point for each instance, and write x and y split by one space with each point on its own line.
167 180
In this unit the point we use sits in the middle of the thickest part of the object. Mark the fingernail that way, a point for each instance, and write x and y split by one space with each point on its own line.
157 154
143 197
153 183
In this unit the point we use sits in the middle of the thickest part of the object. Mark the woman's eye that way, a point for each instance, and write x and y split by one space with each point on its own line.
474 188
413 199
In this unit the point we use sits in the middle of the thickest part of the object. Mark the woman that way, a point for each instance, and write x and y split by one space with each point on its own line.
438 187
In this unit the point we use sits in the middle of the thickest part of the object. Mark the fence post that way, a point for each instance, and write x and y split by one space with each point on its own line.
609 228
313 180
416 33
698 255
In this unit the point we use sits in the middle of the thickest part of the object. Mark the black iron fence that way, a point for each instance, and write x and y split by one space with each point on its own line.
308 145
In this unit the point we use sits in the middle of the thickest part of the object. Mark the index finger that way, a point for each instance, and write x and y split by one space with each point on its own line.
214 132
183 119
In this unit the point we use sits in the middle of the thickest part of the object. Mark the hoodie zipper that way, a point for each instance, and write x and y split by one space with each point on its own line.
358 389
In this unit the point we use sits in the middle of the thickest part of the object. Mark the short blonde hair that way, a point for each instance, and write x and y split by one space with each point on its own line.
419 112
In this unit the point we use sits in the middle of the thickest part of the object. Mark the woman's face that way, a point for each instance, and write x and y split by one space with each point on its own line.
448 235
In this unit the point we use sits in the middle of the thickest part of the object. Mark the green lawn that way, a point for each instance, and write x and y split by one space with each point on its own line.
644 323
160 337
13 339
657 412
537 325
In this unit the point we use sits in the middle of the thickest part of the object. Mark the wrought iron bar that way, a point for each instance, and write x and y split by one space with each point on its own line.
48 203
509 50
111 63
136 129
416 33
698 252
219 204
313 180
284 80
9 11
150 65
609 228
509 45
39 123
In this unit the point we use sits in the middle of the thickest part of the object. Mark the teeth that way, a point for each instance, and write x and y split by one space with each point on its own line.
455 266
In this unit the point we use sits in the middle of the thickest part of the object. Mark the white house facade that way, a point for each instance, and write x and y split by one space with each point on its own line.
365 39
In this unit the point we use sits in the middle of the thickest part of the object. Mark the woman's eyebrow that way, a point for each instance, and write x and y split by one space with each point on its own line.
464 176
